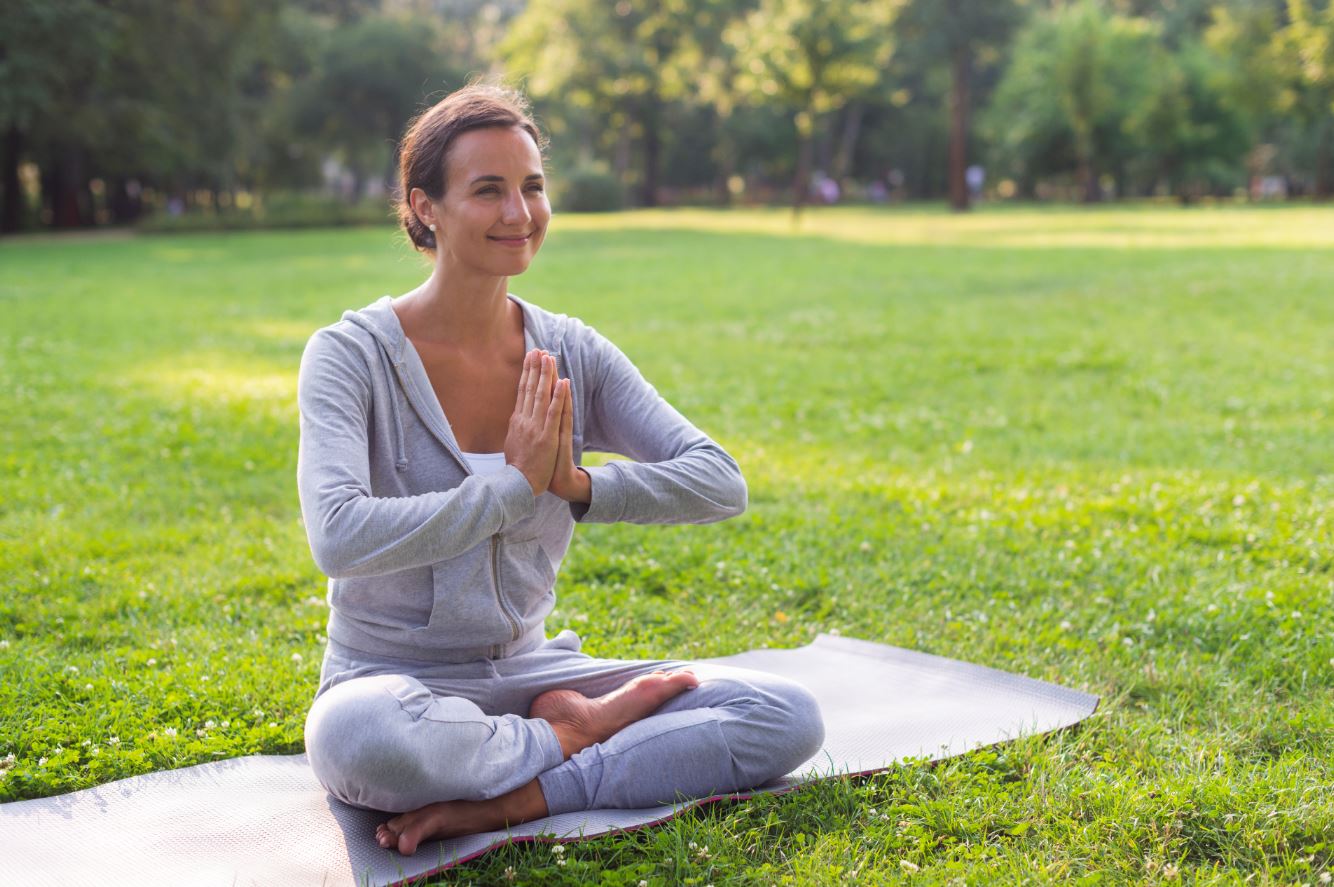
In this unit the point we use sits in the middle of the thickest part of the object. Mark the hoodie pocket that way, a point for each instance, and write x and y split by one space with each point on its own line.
467 610
528 579
402 599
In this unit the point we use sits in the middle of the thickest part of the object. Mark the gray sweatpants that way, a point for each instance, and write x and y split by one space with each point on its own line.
395 734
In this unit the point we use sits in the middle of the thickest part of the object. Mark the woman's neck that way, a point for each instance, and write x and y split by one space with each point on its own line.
462 311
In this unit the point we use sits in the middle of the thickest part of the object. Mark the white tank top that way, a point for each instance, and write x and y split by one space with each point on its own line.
485 463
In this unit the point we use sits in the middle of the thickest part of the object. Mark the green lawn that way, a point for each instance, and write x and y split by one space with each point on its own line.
1093 447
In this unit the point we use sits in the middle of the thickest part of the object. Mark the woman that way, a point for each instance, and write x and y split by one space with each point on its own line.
441 434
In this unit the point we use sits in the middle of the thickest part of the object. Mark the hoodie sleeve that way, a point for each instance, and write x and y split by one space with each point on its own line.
353 533
679 476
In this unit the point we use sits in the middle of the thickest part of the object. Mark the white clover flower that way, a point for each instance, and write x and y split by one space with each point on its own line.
226 724
909 866
203 678
201 733
41 762
151 662
8 760
86 742
209 725
73 669
259 713
510 874
296 657
170 731
4 645
113 740
87 686
558 849
692 845
643 883
96 750
273 724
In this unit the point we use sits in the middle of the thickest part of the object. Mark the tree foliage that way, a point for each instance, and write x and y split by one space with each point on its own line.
110 107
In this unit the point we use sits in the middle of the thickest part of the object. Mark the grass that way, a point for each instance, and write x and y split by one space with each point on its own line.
1093 447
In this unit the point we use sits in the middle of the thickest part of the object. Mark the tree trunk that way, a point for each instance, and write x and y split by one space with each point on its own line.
11 214
847 143
801 183
1089 177
60 187
958 153
1324 182
126 205
652 120
725 157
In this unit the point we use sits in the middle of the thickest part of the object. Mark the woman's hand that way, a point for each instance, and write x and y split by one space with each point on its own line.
568 481
534 432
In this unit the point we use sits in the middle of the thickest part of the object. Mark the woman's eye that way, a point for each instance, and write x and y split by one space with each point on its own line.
535 188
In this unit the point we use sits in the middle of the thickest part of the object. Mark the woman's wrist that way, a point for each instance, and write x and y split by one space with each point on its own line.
580 488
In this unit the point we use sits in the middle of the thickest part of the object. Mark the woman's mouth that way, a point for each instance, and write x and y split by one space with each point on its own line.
520 240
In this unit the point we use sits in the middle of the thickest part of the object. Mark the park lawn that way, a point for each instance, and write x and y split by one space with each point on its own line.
1092 447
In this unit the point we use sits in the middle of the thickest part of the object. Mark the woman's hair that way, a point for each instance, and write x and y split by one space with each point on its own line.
425 147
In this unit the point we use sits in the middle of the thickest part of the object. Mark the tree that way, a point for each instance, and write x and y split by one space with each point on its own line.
1305 48
1195 138
369 79
957 31
44 98
1078 75
814 55
609 62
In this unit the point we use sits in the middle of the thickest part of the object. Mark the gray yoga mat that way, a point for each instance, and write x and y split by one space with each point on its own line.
264 820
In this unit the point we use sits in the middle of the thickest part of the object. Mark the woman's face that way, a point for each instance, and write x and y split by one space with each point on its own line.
494 213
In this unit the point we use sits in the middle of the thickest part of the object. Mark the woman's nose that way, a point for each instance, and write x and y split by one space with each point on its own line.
515 210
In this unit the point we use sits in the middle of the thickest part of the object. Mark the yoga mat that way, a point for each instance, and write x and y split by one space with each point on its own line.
264 820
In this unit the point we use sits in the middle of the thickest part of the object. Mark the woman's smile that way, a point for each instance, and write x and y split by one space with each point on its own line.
511 240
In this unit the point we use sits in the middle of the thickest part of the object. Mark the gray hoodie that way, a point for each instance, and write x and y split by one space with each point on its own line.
427 560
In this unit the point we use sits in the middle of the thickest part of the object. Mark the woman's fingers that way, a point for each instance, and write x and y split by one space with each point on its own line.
553 424
523 403
544 397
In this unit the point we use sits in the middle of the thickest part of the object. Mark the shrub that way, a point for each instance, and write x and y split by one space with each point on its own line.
591 190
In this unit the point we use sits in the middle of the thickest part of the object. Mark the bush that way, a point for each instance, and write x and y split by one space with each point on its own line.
591 190
277 210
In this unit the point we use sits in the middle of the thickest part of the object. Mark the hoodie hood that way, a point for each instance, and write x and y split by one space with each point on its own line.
400 361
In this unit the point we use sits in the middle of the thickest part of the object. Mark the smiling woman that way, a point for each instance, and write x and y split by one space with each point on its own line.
442 433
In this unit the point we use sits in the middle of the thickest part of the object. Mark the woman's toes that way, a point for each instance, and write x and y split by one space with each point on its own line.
408 839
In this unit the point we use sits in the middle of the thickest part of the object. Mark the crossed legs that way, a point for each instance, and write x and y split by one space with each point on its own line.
386 742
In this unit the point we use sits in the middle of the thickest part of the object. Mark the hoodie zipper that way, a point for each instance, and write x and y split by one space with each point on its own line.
500 598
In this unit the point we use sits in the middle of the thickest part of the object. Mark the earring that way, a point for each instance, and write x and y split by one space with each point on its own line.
432 227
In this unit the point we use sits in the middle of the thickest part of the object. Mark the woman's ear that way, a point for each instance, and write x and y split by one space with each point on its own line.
422 207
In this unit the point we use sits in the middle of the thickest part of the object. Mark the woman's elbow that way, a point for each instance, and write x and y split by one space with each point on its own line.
331 561
735 495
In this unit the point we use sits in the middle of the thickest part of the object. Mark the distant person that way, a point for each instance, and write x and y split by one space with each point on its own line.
974 176
896 181
439 474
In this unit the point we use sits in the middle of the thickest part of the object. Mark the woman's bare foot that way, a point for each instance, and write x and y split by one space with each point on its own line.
580 722
577 721
449 819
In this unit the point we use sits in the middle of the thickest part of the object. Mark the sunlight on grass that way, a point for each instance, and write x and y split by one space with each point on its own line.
217 379
1116 228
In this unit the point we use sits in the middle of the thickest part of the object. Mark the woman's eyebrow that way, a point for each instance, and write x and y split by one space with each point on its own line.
528 178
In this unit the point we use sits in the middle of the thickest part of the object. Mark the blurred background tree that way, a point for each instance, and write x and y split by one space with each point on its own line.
267 112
